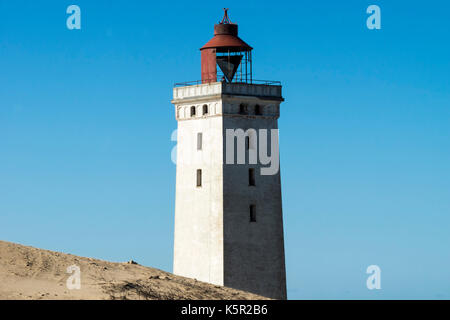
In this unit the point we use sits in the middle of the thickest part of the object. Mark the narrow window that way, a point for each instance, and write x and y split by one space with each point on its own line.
199 177
258 110
192 111
252 213
205 109
250 140
199 141
251 177
242 108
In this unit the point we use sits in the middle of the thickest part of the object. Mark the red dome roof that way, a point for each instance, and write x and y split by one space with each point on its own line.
227 41
226 38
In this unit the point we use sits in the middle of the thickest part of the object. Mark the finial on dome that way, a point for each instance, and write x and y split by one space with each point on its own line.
226 19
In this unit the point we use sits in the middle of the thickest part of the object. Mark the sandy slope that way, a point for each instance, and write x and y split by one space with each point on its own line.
30 273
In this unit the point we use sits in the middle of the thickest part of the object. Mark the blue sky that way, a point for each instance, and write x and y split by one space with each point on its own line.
86 120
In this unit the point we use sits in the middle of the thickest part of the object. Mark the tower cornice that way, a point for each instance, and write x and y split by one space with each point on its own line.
186 94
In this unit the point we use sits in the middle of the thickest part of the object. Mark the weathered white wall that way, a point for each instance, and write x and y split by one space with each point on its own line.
198 246
214 238
253 251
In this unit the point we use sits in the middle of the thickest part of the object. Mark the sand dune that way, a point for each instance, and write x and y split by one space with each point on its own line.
30 273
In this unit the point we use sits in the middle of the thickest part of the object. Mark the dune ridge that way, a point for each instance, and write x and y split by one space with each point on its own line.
30 273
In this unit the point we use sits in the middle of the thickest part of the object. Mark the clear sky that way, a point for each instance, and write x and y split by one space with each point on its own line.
86 120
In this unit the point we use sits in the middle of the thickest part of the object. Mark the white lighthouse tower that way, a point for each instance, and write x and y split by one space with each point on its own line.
228 214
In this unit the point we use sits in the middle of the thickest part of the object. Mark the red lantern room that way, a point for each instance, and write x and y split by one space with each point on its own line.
229 52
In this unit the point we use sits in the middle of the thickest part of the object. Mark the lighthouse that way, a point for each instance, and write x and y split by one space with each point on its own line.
228 211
